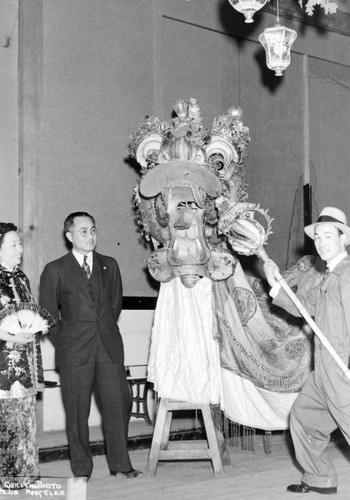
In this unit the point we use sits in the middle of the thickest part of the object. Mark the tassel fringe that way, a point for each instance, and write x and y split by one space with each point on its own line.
238 435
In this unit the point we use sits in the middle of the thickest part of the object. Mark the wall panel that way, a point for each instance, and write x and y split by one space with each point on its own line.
274 166
98 83
9 111
329 85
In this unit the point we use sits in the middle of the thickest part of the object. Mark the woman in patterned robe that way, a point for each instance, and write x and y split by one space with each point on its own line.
21 374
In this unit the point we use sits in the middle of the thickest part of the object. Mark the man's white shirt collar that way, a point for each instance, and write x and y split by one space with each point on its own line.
80 258
334 262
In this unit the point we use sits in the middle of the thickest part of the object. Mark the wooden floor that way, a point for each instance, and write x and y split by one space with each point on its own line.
250 476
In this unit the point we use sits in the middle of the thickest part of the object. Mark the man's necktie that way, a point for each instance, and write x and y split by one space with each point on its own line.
325 276
86 267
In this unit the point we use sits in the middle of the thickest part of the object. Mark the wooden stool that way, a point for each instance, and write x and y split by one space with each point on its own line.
163 449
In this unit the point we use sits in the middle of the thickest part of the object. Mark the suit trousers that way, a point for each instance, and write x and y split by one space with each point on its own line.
320 408
108 382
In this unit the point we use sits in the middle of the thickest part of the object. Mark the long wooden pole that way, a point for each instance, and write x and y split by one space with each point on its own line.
245 242
323 339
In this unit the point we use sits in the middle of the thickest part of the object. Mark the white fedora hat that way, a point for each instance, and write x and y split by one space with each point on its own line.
334 216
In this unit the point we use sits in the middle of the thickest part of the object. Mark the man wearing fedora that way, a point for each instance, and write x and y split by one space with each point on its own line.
323 404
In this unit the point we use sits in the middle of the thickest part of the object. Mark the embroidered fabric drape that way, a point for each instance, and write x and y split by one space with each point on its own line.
224 343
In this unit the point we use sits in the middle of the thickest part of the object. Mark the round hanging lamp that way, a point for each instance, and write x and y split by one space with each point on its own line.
248 7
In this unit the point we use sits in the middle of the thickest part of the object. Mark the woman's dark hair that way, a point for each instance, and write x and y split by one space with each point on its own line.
6 227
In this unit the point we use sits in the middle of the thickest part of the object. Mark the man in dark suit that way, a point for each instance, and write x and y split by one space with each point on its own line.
83 292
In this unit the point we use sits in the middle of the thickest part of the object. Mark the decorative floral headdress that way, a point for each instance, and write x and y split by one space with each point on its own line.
183 148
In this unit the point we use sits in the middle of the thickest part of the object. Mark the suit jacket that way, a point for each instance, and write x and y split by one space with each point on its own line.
64 292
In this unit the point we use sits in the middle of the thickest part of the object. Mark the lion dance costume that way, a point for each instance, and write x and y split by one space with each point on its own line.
216 338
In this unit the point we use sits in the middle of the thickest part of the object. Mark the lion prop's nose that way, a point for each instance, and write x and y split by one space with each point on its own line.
183 219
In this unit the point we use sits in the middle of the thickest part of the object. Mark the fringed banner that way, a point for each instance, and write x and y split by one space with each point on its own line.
258 341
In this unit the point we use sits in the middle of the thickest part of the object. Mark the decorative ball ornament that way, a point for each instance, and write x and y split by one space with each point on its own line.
277 42
236 112
248 7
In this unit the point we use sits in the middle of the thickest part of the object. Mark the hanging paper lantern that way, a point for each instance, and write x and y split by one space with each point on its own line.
277 42
247 7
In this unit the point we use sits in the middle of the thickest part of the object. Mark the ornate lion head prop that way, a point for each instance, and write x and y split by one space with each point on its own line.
185 168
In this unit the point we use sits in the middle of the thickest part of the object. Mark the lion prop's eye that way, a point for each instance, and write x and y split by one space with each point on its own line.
188 204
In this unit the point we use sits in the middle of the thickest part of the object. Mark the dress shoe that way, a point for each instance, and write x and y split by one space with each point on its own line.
130 474
305 488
